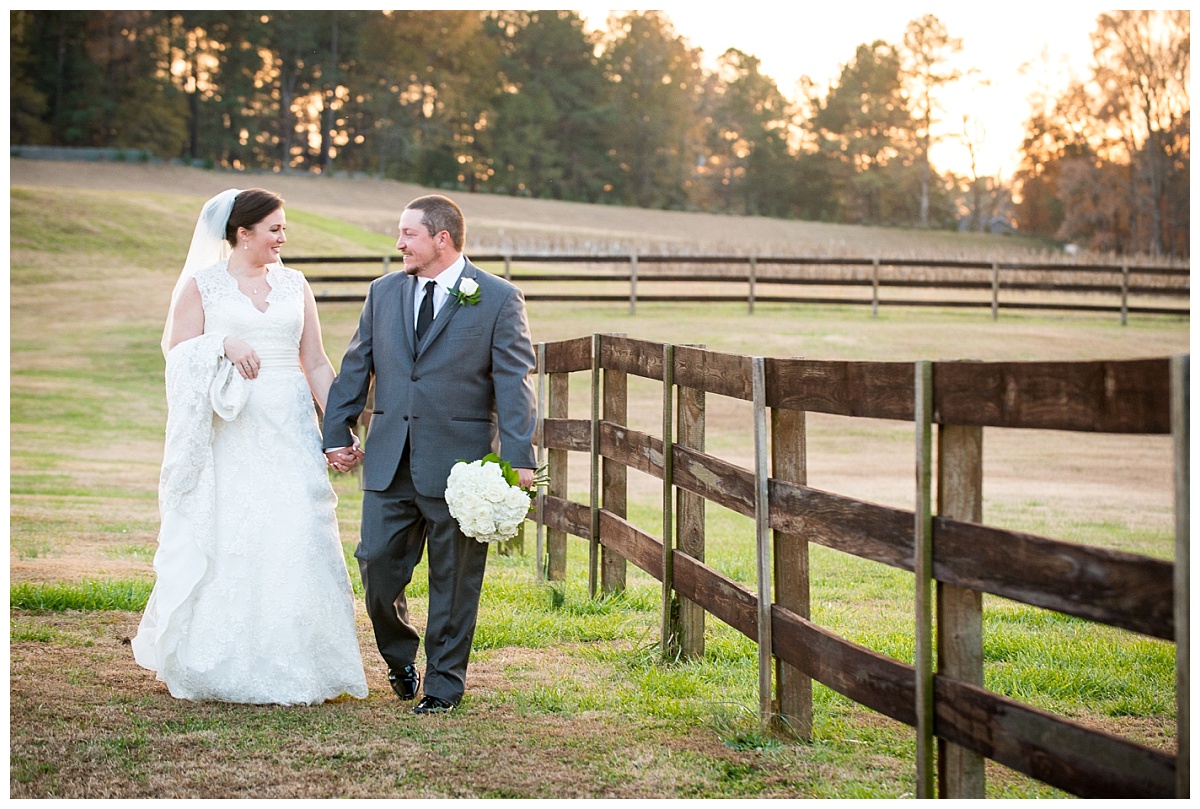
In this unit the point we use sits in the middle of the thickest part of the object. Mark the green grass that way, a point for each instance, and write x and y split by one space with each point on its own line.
1063 664
140 553
24 770
124 595
1117 533
320 235
31 547
27 631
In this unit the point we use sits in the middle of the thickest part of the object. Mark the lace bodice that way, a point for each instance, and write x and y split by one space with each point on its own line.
229 312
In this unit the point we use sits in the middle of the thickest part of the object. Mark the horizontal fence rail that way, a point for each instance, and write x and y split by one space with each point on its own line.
1133 592
1115 288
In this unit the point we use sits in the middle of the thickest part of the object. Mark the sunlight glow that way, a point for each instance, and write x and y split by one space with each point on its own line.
1019 49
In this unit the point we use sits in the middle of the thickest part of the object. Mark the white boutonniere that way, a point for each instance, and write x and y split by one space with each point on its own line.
467 293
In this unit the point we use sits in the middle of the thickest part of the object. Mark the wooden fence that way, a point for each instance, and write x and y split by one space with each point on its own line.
1117 287
951 554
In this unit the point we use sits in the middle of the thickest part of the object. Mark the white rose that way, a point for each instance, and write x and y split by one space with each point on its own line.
467 286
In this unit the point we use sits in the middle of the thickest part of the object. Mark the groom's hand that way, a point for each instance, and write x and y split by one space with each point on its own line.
525 478
343 459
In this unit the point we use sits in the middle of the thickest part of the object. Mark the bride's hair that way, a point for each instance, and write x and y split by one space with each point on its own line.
249 208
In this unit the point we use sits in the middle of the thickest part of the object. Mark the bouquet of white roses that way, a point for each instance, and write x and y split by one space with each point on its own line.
486 499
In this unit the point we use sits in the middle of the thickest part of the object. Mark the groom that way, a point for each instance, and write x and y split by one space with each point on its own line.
449 350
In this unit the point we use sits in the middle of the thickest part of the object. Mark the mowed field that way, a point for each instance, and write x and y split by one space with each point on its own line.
496 221
95 250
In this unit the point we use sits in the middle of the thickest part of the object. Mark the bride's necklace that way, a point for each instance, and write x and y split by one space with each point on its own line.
256 283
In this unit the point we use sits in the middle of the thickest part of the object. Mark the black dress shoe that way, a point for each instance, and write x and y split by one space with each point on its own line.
430 704
405 682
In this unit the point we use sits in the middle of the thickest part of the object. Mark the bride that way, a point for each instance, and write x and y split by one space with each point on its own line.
252 602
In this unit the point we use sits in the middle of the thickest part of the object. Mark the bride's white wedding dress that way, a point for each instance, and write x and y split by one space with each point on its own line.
253 602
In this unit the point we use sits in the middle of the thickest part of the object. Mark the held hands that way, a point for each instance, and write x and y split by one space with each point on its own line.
344 459
243 357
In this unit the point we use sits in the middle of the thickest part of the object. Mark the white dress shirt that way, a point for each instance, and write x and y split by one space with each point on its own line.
445 280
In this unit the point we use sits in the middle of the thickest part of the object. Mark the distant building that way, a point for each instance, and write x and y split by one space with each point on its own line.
997 224
1000 225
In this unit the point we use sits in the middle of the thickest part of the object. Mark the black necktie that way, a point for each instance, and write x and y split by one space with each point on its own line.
425 316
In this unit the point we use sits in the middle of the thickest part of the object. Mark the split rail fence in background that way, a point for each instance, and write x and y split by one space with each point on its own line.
1117 288
953 556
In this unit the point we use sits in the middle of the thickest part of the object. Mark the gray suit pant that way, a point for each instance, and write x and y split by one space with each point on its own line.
395 525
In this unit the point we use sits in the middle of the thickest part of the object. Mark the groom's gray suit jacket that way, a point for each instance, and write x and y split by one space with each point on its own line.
465 391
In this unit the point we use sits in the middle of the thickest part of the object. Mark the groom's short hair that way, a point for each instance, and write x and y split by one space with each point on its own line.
440 213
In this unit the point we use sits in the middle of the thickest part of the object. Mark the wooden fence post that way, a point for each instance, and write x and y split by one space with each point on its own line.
594 473
753 278
670 611
959 609
995 290
875 287
1124 294
1180 435
633 269
541 462
615 478
387 264
762 531
556 539
923 574
690 525
789 462
508 267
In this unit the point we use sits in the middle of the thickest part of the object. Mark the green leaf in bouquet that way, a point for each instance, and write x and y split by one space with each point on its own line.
510 475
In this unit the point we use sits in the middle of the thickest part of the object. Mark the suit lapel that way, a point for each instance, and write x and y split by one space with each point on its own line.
407 313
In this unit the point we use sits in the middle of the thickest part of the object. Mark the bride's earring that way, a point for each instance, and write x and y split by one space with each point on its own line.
245 245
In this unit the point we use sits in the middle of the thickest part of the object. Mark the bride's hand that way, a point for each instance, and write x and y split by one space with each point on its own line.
343 459
243 357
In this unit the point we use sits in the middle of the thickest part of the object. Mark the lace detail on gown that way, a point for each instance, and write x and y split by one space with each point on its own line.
271 617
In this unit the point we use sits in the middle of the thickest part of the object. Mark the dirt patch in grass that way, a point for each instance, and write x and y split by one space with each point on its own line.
87 722
63 538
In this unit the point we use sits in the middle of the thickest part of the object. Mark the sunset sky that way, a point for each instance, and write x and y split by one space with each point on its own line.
796 39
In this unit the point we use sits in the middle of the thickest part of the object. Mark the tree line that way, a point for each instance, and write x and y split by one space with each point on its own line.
533 103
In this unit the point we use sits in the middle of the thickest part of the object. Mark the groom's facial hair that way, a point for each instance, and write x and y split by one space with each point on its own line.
417 269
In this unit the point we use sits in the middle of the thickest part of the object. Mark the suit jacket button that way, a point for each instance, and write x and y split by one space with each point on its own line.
414 378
